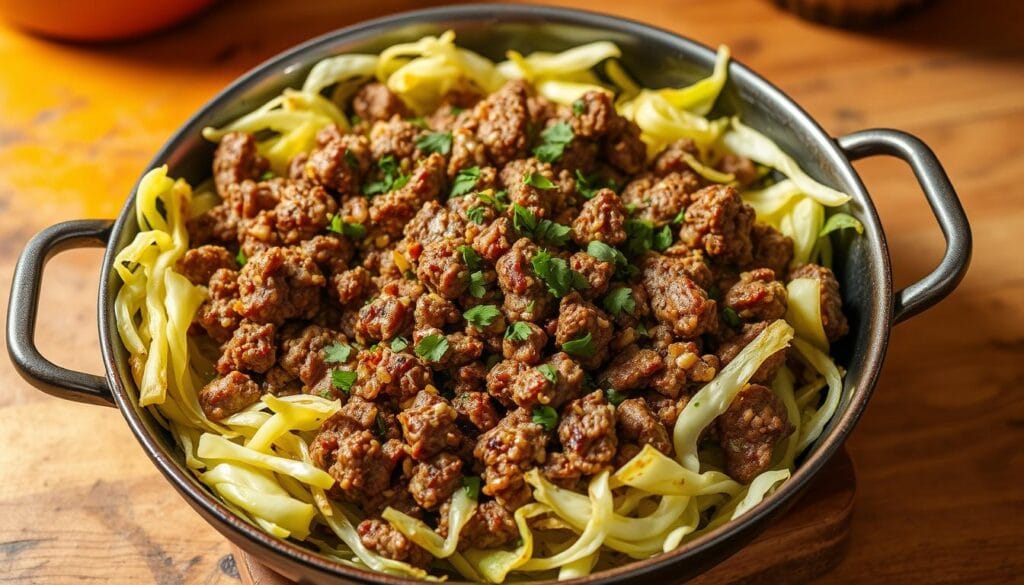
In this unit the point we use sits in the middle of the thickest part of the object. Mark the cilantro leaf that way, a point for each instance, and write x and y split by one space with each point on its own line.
351 160
343 380
476 214
662 239
589 186
472 486
326 394
399 343
605 253
267 176
465 180
432 347
241 258
518 331
482 315
580 347
556 137
439 142
523 219
477 285
337 353
391 178
549 372
469 256
496 199
538 180
546 417
639 236
731 317
619 300
353 230
556 274
613 396
542 231
578 107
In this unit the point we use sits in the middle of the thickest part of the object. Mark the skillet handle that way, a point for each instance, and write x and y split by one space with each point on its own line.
24 306
944 203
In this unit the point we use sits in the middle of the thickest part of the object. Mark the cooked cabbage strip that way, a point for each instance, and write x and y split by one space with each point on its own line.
495 564
803 310
782 385
745 141
824 365
654 472
594 533
543 65
700 97
217 447
759 488
460 511
290 416
714 397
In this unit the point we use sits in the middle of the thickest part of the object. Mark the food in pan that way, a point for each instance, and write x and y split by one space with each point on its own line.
439 316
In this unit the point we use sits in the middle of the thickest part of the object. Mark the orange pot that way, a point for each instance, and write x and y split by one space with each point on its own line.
97 20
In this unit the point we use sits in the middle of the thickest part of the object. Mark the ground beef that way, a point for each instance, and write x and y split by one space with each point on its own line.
632 369
587 433
526 297
750 429
374 102
340 164
433 481
331 252
199 264
227 395
467 151
602 218
435 311
719 222
494 240
382 538
251 349
443 269
303 355
757 296
500 379
279 284
598 274
236 160
675 299
734 342
351 285
383 372
429 426
217 315
432 223
490 526
391 212
673 158
832 318
741 167
521 177
502 123
247 199
302 212
395 138
663 200
385 317
477 409
352 454
530 350
635 424
684 366
508 451
771 249
577 319
623 147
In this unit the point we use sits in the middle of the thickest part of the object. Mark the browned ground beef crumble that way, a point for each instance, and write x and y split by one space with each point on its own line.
571 376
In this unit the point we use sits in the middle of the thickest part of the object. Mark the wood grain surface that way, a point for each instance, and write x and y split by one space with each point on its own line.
938 452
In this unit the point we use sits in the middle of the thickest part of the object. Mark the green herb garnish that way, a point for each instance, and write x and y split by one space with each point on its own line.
662 239
578 107
543 231
580 347
556 274
439 142
343 380
337 353
731 317
465 180
549 372
538 181
555 138
241 258
392 179
518 331
469 256
613 396
353 230
482 315
619 300
477 284
472 486
432 347
399 343
546 417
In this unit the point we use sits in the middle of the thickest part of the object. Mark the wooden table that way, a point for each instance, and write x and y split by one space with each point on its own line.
938 453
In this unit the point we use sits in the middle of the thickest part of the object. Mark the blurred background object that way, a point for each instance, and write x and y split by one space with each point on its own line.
97 20
851 13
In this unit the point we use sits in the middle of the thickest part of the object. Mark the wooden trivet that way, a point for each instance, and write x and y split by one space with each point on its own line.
802 546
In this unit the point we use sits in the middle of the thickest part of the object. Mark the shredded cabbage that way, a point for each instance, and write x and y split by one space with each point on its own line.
803 310
824 365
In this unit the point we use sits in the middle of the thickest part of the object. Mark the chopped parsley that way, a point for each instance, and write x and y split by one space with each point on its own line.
619 300
546 417
518 331
555 138
353 230
714 292
549 372
613 396
391 177
241 258
267 176
578 107
465 180
477 284
326 394
476 214
542 231
580 347
678 219
496 199
639 236
471 484
399 343
556 274
469 256
538 180
482 315
337 353
383 428
589 186
351 160
432 347
439 142
343 380
731 317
